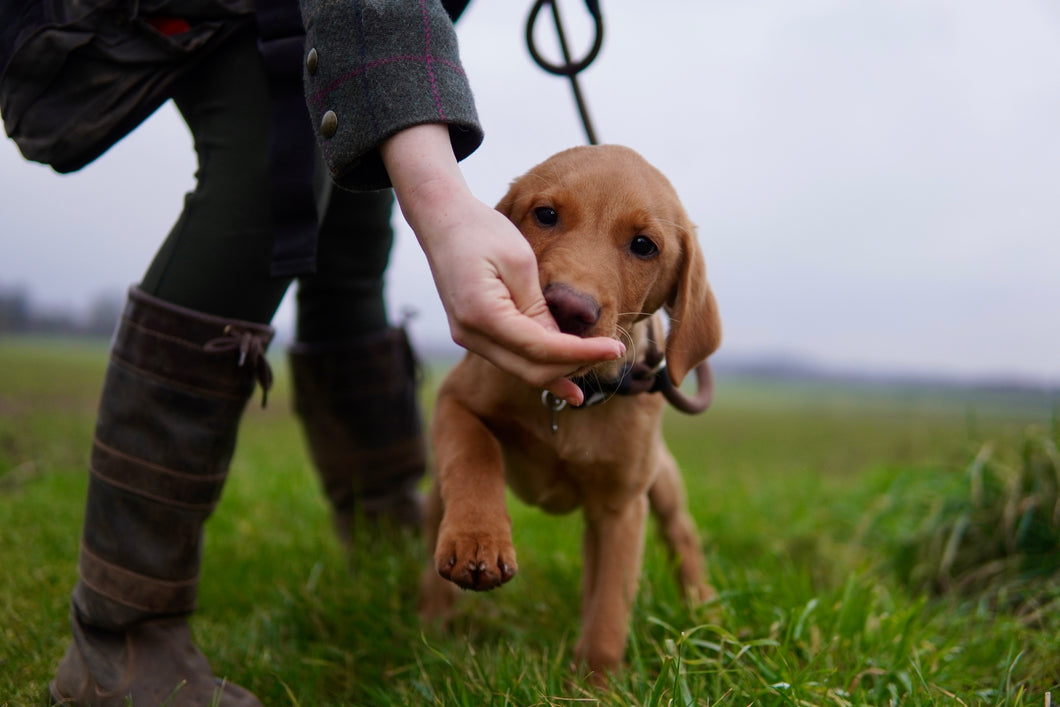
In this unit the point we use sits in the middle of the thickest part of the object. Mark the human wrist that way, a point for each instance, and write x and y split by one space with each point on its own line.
427 180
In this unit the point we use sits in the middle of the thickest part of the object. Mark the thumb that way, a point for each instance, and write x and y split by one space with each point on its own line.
525 289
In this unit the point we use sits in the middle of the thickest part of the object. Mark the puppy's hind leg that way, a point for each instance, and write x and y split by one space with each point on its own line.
670 509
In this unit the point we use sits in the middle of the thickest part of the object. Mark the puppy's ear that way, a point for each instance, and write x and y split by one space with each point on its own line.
507 203
695 327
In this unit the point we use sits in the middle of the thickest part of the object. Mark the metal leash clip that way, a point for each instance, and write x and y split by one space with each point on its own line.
554 405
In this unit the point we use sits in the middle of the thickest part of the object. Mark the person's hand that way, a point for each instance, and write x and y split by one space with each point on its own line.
484 269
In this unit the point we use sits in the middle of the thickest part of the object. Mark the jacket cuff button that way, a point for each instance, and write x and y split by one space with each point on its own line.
329 124
311 61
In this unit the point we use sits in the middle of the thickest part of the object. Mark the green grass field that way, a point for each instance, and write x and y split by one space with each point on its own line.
870 546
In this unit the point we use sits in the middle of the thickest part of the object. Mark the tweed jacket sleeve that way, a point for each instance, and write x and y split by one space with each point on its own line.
374 68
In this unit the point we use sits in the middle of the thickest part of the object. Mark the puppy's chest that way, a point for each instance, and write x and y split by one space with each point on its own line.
588 455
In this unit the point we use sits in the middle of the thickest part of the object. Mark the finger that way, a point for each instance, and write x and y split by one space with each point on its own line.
532 329
562 353
546 372
534 371
524 287
565 389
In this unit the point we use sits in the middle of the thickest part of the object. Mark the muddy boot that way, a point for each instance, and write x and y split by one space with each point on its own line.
357 404
174 392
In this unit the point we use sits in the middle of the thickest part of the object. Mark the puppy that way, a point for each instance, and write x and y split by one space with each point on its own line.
614 247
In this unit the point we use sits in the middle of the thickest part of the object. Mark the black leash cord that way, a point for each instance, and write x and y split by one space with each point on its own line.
569 68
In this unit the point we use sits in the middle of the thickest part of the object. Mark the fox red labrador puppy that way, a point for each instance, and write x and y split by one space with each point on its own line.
614 247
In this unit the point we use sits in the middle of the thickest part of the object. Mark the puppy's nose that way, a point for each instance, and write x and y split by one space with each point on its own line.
574 312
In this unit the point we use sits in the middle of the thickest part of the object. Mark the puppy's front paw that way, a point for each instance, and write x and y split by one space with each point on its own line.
477 560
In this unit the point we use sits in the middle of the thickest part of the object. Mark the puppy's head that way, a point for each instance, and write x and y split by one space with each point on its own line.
614 245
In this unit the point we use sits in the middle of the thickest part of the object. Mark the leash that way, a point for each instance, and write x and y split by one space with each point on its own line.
569 67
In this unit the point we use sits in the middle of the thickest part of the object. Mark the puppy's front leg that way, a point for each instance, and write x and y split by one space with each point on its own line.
474 546
614 547
437 595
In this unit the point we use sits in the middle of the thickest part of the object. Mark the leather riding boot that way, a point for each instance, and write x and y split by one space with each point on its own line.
175 389
357 404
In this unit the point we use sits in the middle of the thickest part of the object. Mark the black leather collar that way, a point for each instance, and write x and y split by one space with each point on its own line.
635 378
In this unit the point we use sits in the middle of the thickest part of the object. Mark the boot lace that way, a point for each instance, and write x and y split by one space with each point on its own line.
251 347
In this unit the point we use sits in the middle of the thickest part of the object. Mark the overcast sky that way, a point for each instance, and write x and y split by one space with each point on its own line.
876 182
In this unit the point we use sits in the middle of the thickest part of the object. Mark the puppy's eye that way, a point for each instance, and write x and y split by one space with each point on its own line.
643 247
546 216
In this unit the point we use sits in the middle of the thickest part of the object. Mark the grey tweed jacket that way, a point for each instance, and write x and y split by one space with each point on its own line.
376 67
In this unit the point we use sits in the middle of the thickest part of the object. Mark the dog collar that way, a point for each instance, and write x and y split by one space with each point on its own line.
639 378
635 378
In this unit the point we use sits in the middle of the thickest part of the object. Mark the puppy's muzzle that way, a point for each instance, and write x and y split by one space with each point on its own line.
575 312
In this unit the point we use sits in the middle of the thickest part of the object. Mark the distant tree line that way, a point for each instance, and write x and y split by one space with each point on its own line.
19 315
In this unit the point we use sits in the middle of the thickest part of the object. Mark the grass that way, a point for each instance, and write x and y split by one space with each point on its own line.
845 526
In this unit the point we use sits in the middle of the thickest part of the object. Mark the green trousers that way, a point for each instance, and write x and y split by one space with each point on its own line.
217 257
